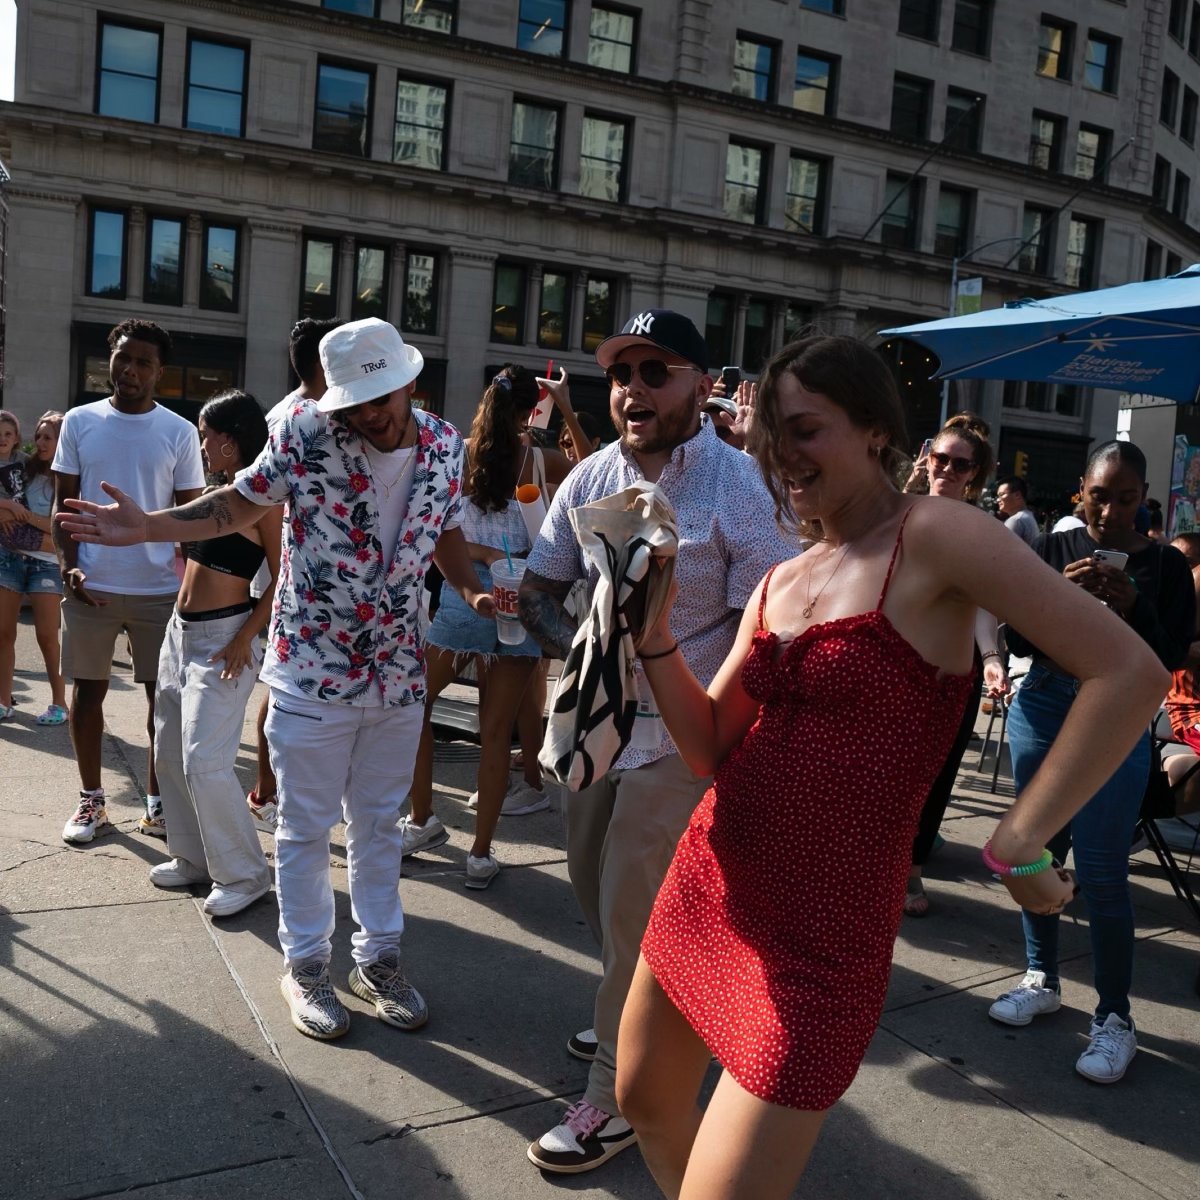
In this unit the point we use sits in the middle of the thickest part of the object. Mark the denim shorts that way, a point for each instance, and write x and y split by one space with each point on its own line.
29 576
456 626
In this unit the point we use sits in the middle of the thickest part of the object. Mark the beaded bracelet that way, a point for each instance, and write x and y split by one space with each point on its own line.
1033 868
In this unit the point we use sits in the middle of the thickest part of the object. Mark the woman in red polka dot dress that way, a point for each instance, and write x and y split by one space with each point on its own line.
771 939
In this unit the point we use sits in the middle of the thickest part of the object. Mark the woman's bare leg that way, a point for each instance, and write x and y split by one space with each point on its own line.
46 608
661 1063
440 672
529 724
10 611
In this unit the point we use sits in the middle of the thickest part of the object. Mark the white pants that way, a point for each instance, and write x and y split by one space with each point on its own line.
198 720
330 760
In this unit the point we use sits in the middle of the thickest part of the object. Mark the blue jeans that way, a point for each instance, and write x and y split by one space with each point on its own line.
1101 832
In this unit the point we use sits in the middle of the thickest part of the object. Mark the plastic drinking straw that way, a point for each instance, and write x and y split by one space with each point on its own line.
504 540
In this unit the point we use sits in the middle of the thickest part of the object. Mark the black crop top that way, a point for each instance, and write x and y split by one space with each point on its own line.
231 554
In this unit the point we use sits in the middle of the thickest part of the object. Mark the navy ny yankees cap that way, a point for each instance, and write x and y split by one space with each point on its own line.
670 331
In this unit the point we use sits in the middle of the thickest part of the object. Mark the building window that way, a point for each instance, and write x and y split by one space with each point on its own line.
1038 396
435 15
1152 267
318 296
1092 148
1187 116
1180 195
754 69
602 159
599 304
360 8
1160 189
919 19
343 111
370 282
743 182
216 88
815 89
964 120
420 124
1100 62
910 106
611 39
1045 142
218 272
418 309
130 60
1174 264
1194 32
718 328
953 222
836 7
106 254
533 151
796 317
756 341
508 304
1055 43
805 205
164 261
1037 230
972 26
1168 99
552 311
1083 242
899 224
1177 19
541 27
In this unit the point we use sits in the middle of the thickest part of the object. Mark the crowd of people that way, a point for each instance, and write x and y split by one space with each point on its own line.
835 611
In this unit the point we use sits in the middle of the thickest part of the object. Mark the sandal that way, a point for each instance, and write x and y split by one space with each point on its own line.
55 714
916 903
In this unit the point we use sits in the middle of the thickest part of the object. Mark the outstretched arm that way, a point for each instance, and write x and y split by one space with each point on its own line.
540 603
453 559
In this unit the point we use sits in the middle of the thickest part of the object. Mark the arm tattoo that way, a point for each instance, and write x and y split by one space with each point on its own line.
213 505
540 604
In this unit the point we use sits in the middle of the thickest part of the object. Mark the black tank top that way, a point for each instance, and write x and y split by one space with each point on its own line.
231 554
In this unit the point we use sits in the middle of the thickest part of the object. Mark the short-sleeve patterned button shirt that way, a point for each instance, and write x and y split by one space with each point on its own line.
343 619
728 540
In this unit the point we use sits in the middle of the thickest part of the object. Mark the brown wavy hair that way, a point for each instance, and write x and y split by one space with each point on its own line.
856 379
491 475
974 430
35 466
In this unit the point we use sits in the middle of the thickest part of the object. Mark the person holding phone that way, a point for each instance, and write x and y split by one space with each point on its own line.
1149 586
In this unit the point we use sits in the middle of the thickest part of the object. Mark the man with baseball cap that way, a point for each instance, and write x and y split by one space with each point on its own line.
621 831
372 488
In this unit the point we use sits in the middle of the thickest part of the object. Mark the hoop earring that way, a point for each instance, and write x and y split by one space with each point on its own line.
227 451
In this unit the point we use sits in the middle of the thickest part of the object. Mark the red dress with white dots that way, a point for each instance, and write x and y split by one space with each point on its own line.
774 927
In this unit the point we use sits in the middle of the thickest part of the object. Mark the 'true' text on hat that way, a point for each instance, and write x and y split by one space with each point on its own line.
661 327
364 360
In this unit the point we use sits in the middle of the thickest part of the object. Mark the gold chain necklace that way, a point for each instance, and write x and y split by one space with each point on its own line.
810 601
387 487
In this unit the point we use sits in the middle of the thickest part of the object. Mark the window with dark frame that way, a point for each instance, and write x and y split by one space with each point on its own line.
964 120
318 288
920 18
718 328
533 148
508 304
1187 116
972 27
910 106
796 317
1093 147
1177 20
542 27
804 209
1100 62
1168 98
901 200
1181 196
599 307
1037 225
1193 42
418 305
554 310
107 248
1045 142
836 7
756 338
370 282
602 158
953 221
1152 264
434 15
1083 244
1056 40
612 38
418 140
216 88
219 270
744 175
753 69
815 89
343 120
1160 188
130 61
1174 264
164 261
360 8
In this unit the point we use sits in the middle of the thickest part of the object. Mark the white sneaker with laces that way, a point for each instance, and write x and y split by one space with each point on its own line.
90 818
422 837
316 1010
266 814
481 871
177 873
1030 998
383 984
523 799
1111 1050
224 901
585 1138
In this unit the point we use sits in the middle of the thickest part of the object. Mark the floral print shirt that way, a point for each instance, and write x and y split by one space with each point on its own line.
344 620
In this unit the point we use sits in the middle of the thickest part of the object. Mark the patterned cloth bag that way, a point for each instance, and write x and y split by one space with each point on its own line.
17 536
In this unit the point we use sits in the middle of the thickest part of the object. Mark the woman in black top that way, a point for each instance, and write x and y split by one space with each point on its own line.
1152 592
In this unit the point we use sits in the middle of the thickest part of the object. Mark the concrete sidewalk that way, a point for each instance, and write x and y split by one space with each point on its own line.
145 1050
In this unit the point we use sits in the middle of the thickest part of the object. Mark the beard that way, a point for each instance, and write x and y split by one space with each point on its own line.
672 428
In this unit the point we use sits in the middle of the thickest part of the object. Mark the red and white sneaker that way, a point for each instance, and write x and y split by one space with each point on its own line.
586 1138
91 818
265 812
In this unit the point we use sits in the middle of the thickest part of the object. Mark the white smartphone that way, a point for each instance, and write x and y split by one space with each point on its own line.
1110 558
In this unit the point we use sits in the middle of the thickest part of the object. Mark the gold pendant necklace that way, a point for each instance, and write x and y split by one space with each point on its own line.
810 601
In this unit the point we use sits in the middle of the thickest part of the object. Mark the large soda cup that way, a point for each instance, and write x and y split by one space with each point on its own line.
504 592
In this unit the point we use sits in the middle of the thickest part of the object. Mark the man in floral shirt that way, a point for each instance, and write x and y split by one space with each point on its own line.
372 489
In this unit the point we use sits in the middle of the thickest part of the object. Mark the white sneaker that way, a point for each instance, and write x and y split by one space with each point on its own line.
1111 1050
90 818
519 800
224 901
316 1009
177 872
586 1138
422 837
383 984
481 871
266 814
1030 998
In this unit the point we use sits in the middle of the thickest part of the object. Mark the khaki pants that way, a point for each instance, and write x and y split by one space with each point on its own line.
621 835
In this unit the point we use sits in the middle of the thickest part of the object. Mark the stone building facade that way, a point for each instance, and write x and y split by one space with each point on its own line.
506 180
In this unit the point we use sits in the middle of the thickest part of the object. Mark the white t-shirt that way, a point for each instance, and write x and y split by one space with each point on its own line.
1068 522
276 414
151 456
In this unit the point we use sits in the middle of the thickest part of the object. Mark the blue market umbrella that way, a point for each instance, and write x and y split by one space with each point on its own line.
1142 337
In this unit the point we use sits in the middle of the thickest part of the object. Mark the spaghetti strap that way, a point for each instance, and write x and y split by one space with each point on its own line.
762 602
892 565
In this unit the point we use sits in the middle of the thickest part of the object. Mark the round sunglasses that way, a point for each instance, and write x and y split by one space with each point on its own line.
960 466
653 372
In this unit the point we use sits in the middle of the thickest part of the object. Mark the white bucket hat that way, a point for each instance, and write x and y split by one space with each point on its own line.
364 360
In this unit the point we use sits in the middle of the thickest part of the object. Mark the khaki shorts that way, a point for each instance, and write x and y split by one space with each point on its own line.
89 635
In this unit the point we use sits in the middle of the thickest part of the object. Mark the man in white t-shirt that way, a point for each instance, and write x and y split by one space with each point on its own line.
154 455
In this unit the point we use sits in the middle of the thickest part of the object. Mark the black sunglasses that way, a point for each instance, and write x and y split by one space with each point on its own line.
378 402
653 372
960 466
